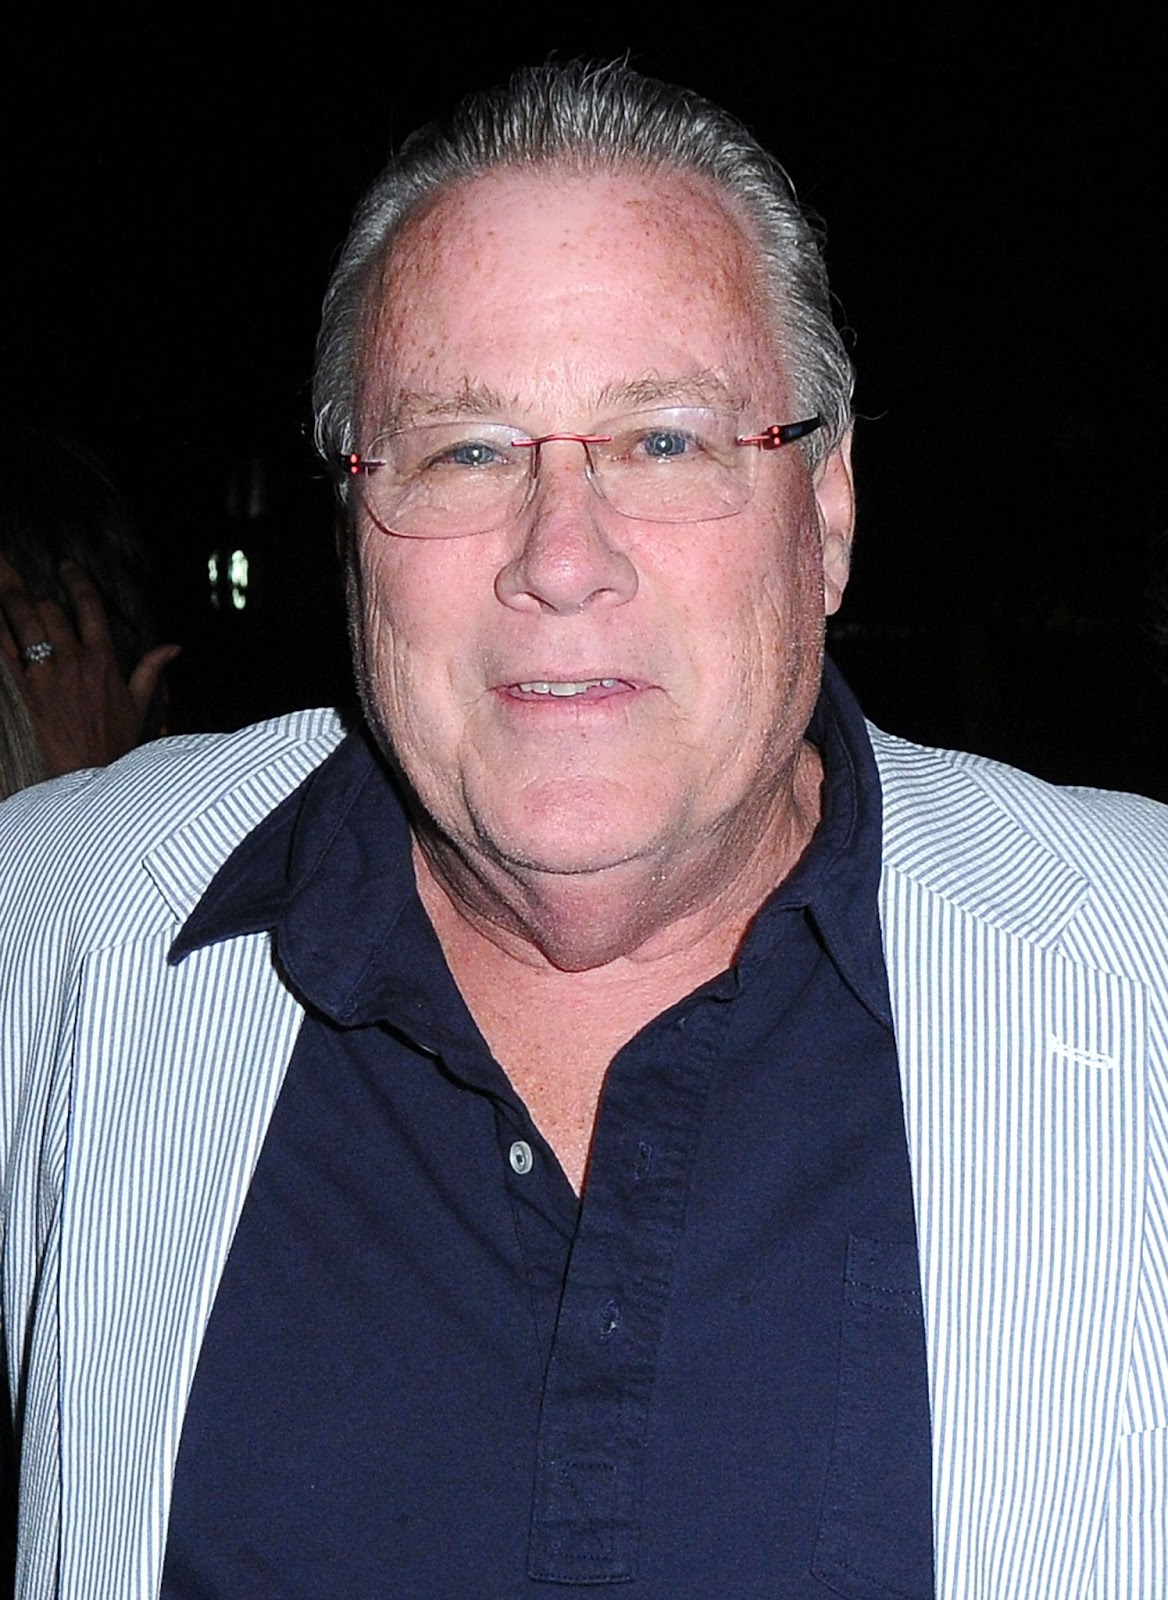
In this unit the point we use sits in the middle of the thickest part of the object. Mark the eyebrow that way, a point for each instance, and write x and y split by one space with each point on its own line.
707 388
423 405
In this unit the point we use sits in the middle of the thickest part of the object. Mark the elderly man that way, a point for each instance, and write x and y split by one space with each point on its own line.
617 1119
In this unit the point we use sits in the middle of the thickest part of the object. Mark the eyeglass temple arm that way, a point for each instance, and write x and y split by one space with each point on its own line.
780 433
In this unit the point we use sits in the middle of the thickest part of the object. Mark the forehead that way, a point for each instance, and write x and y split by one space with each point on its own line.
552 290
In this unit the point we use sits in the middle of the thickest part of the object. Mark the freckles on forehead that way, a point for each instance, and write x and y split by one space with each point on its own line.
646 270
687 233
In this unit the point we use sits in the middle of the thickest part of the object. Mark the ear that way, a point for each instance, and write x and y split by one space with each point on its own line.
835 495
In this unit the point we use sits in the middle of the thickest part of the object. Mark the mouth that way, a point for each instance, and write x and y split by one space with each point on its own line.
567 688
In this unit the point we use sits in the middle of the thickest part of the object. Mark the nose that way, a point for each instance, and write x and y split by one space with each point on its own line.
568 560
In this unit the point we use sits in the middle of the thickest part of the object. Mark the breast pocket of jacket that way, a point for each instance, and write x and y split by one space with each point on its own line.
875 1537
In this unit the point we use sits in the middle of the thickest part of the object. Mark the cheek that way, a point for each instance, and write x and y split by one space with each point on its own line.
414 620
400 612
766 632
387 638
764 597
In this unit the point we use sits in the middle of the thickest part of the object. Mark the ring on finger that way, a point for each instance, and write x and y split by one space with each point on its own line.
32 654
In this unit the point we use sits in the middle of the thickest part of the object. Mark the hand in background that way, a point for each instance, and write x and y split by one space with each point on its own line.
84 713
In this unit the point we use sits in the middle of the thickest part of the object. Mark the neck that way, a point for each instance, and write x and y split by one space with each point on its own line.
560 971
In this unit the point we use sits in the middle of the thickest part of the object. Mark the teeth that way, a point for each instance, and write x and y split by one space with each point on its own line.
565 690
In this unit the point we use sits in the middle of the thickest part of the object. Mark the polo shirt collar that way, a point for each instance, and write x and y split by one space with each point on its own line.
837 881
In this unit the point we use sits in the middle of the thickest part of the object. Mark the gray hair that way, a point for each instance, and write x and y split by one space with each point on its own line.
583 118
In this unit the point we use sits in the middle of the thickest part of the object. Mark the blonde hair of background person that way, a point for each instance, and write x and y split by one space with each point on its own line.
20 756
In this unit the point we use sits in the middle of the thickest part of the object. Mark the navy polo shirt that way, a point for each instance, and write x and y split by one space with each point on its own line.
431 1370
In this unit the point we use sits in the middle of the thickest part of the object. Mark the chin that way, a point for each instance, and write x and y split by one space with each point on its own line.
563 829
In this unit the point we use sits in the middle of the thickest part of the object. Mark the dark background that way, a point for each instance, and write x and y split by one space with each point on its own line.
994 206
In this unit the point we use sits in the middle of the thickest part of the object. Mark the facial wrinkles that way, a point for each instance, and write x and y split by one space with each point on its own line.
781 632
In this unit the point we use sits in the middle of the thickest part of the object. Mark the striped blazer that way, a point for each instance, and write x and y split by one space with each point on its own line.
1025 937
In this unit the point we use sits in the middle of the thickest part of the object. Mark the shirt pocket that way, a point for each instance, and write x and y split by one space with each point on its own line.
875 1538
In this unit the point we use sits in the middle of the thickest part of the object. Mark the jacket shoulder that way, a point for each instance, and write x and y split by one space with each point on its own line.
88 843
992 836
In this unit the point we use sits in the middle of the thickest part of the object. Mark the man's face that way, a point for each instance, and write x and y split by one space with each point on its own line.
546 301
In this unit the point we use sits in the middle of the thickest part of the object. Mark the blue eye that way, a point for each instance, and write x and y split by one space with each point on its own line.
665 444
469 453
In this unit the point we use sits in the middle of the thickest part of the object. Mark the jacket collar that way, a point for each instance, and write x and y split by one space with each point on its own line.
969 830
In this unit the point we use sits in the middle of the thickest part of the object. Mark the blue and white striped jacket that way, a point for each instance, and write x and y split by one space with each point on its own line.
1026 945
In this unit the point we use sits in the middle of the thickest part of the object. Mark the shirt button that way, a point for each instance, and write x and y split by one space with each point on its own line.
520 1157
